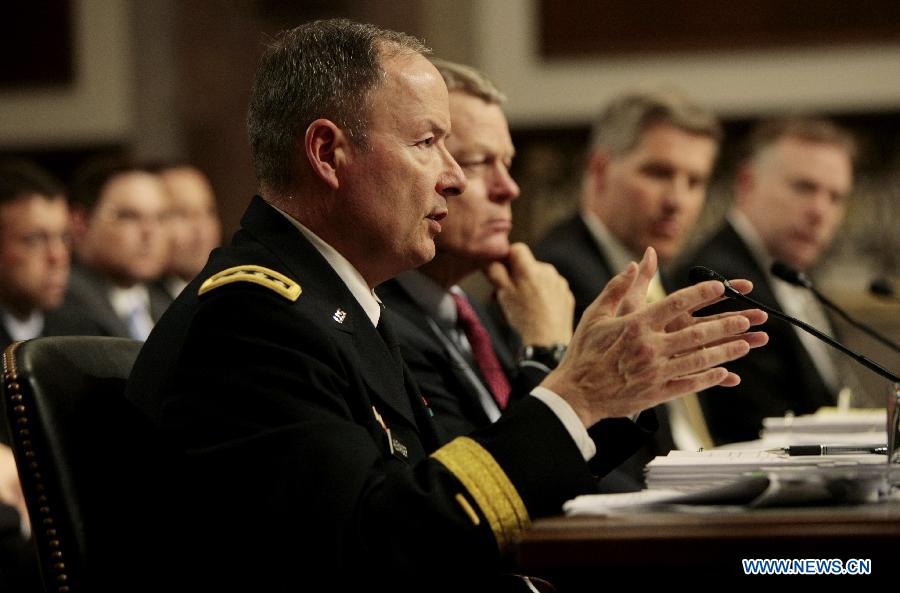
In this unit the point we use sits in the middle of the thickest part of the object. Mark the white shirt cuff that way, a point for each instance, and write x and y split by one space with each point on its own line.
569 419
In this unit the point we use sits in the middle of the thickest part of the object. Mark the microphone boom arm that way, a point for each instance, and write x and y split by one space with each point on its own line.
700 273
789 274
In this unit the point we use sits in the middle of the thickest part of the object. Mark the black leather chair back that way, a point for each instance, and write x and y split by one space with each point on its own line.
80 448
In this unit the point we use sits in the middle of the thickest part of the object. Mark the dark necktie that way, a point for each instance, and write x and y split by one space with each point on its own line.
482 350
390 338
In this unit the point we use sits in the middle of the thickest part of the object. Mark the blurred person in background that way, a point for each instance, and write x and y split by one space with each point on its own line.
645 180
194 226
119 216
34 274
34 253
644 185
790 196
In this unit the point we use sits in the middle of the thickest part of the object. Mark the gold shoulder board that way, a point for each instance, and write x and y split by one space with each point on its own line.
257 275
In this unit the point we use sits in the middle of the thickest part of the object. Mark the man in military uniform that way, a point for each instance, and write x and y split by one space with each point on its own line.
309 454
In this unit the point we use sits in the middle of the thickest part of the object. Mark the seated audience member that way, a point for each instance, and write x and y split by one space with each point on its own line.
34 253
465 365
644 185
194 227
118 229
310 458
34 273
790 196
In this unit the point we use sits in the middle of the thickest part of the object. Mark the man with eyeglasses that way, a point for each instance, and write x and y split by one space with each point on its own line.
121 246
34 252
34 274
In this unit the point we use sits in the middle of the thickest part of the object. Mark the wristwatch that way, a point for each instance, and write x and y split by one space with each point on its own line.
549 356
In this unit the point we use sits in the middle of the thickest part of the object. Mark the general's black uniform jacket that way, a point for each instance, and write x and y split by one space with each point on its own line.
308 452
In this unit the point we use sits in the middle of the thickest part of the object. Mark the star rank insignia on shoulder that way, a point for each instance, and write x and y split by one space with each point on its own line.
270 279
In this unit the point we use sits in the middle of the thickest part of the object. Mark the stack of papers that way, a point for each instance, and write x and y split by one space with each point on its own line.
685 479
687 471
827 426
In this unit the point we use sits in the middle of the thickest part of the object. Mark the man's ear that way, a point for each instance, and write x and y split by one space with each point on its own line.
744 181
598 169
325 146
79 219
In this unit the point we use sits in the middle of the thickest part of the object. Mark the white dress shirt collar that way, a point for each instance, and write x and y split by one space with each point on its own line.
23 329
356 284
748 234
616 254
125 300
796 301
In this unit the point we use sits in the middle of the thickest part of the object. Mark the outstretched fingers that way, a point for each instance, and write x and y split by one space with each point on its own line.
636 297
683 302
698 382
754 316
704 334
753 339
706 358
615 290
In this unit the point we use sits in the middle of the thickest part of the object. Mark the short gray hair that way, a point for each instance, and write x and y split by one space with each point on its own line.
619 127
459 77
809 128
323 69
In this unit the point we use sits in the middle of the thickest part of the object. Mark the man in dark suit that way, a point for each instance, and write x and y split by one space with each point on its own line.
34 273
309 453
644 185
119 212
194 227
645 180
34 253
429 310
790 196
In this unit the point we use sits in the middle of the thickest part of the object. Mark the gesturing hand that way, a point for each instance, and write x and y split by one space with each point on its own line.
627 356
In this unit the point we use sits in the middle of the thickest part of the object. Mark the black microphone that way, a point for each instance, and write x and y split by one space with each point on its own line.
792 275
881 287
700 274
798 278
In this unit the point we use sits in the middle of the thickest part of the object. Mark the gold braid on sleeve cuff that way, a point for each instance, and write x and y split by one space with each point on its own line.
488 486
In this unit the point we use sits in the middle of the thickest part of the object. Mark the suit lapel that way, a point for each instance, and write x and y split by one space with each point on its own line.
467 375
91 292
745 265
598 269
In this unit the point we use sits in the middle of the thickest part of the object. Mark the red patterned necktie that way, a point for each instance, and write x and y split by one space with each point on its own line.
482 350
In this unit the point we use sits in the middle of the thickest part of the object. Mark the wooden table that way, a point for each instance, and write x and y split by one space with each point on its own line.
584 553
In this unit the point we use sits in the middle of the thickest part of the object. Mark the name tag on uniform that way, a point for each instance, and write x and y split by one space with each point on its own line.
399 449
395 445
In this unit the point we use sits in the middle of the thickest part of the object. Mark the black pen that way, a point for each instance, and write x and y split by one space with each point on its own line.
794 450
